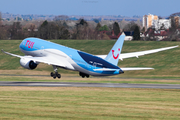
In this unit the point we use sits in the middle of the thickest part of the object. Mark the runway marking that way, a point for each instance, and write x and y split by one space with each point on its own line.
42 84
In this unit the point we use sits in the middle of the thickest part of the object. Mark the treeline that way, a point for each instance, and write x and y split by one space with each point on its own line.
47 30
60 30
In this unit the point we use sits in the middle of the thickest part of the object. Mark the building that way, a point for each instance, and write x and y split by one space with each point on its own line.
161 24
154 22
161 35
177 21
148 20
129 35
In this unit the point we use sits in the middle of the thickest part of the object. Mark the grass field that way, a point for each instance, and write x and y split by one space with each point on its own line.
88 103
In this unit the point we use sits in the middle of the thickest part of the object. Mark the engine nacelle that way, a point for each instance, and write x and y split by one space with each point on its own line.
28 64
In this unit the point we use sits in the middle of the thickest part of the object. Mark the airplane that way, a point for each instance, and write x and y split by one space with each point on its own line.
37 51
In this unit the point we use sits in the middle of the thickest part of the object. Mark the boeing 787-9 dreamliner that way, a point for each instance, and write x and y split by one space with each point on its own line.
41 51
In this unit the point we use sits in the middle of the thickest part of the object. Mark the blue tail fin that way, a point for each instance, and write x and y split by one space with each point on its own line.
113 56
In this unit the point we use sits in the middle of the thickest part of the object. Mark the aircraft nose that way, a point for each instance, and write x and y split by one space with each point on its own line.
21 44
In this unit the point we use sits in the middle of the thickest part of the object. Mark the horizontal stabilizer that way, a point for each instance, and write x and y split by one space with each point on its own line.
105 69
134 68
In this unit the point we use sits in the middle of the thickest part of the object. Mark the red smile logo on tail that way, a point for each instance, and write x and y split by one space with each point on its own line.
115 57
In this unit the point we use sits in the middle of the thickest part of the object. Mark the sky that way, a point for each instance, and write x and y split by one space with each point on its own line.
91 7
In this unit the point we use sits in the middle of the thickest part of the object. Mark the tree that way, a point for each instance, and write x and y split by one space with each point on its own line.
116 28
143 29
43 30
136 35
31 30
1 27
82 30
65 24
98 26
50 30
96 20
105 27
173 25
15 31
83 22
173 30
130 26
65 34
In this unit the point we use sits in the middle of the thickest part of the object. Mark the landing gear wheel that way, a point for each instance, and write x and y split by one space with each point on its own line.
59 76
52 74
83 75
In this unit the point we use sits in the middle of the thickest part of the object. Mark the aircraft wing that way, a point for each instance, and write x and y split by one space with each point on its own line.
45 59
141 53
11 54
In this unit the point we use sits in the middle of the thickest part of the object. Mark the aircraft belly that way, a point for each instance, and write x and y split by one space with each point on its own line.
37 53
91 71
60 56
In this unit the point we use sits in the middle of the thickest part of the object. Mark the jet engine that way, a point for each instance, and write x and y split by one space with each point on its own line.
28 64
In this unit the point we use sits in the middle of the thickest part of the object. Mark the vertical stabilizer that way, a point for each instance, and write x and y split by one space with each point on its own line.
113 56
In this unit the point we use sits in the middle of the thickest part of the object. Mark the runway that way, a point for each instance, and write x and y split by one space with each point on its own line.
108 85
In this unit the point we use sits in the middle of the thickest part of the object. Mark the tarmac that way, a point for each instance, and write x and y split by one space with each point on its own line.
107 85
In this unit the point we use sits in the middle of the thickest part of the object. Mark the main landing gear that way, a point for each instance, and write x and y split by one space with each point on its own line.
56 74
83 75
